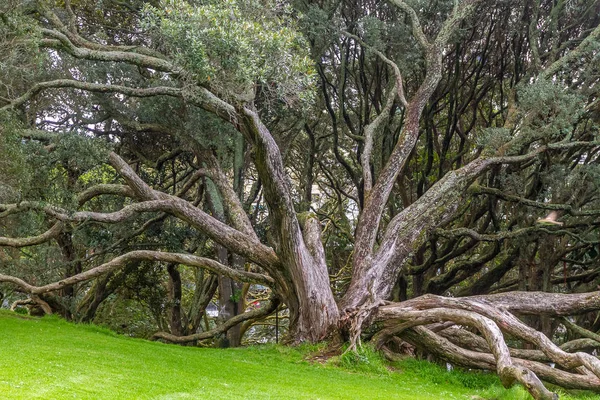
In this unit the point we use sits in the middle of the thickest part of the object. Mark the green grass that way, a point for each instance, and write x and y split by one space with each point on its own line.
51 359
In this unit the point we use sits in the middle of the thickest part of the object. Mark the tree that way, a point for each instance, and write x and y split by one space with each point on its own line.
435 138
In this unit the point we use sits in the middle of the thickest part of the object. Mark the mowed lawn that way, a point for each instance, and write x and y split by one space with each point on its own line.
50 359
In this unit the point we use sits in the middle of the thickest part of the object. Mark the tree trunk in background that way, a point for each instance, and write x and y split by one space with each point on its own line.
72 267
206 286
230 301
176 321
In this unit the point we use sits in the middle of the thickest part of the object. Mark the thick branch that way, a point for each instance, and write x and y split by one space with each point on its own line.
368 224
508 322
236 241
103 53
507 371
50 234
98 190
92 87
424 338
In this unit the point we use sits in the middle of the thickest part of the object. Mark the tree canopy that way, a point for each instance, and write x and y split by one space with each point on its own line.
393 171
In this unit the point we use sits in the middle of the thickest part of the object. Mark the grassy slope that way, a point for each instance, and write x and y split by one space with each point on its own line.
51 359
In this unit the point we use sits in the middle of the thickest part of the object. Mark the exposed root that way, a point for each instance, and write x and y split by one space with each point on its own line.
437 325
356 318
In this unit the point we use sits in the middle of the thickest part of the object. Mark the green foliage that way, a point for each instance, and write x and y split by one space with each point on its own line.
80 153
317 27
55 174
214 134
128 317
548 110
13 163
373 32
492 139
20 58
365 360
21 311
234 45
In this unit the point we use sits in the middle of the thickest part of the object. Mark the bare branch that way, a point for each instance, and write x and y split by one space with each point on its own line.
500 236
71 35
505 367
574 55
239 242
370 218
416 24
147 255
101 53
399 84
97 190
248 315
92 87
532 203
423 337
50 234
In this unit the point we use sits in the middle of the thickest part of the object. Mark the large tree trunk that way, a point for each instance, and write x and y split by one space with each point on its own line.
313 310
304 286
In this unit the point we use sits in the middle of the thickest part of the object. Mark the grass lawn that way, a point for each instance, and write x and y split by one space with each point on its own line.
51 359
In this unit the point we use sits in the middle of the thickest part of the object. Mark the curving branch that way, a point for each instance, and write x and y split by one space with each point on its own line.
370 218
492 315
500 236
238 242
103 53
532 203
506 321
216 230
580 331
50 234
416 24
98 190
146 255
443 348
70 34
269 308
92 87
507 370
405 230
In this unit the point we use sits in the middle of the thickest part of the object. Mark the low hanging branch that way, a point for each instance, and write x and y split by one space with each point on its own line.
147 255
50 234
256 314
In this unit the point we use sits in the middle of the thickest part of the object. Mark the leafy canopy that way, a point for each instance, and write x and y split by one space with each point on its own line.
236 47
